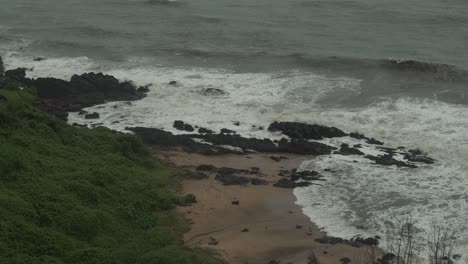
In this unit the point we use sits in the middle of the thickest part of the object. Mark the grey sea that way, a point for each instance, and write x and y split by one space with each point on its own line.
393 70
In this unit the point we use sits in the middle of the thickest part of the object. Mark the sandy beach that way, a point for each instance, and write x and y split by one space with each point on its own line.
251 223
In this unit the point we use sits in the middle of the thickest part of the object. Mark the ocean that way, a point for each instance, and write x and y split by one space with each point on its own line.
393 70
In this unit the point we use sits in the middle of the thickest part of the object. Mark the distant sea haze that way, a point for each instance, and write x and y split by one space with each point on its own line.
393 70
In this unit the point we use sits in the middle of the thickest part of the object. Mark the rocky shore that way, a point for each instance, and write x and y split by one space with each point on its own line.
234 169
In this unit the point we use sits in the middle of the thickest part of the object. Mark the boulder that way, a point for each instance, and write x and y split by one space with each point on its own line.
227 131
388 160
92 116
18 75
212 92
345 149
296 130
180 125
288 183
202 130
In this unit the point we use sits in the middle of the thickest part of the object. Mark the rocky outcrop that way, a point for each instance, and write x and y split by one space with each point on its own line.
296 130
92 116
58 96
180 125
346 150
241 145
388 160
368 140
299 179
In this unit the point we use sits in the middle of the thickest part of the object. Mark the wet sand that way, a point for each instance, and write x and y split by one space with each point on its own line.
264 227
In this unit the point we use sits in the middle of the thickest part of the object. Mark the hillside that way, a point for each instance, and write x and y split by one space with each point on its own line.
77 195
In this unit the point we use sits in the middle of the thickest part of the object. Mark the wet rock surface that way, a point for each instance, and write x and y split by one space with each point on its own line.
293 179
180 125
347 150
216 141
297 130
355 242
57 96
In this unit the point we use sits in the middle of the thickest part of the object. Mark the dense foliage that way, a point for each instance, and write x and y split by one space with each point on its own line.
77 195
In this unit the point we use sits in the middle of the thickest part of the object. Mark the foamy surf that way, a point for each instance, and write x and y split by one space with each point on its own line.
364 198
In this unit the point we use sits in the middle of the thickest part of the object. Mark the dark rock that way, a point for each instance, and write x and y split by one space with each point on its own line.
180 125
367 241
288 183
330 240
172 83
3 98
227 179
202 130
296 130
374 141
357 136
245 230
163 138
154 136
235 202
84 90
303 147
255 169
212 92
236 123
346 150
345 260
227 131
256 181
205 167
415 155
17 75
39 59
276 158
198 176
61 115
229 171
306 175
298 227
213 241
82 112
73 108
388 160
144 89
92 116
48 88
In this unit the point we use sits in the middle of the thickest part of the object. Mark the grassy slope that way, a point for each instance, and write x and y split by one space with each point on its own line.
74 195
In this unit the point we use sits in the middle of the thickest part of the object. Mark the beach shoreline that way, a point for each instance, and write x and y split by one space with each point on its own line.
250 223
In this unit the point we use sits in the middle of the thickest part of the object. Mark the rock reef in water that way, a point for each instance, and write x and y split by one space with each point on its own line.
58 97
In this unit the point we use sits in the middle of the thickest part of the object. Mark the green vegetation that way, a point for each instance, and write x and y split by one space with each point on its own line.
313 259
76 195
